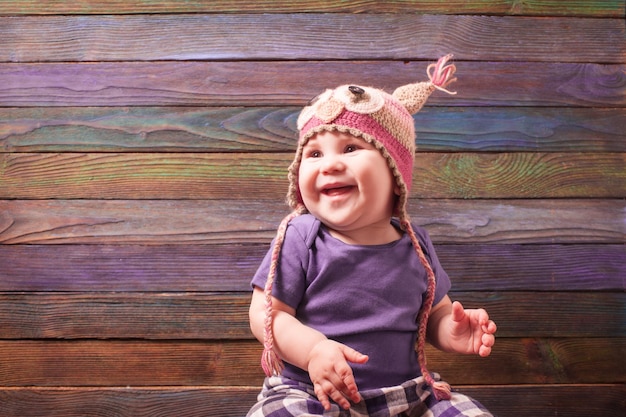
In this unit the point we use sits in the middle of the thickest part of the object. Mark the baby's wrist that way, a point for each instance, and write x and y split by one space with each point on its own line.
312 352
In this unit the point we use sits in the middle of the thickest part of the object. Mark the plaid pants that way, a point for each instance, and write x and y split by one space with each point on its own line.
282 397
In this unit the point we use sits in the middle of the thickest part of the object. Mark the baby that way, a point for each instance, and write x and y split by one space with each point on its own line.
350 288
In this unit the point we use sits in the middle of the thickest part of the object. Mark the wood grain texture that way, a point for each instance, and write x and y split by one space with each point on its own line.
143 155
48 363
401 36
250 129
520 175
100 363
189 401
512 401
162 316
551 400
219 268
272 83
223 316
184 176
599 8
158 222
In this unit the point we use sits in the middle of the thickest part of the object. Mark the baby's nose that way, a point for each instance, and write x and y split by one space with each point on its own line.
332 163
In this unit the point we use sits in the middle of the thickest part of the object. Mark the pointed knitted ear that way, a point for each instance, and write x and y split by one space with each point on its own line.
414 96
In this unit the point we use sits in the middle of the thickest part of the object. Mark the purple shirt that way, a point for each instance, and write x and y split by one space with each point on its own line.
366 297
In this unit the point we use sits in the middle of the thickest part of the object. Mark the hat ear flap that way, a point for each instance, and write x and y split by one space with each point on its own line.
414 96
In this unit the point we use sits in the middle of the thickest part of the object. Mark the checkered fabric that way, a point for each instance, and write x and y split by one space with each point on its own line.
282 397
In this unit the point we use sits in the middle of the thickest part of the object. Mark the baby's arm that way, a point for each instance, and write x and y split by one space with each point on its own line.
302 346
454 329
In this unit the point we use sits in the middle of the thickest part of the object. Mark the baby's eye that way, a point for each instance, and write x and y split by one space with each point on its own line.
313 154
351 148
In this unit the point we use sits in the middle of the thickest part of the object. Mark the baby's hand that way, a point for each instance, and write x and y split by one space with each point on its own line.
471 330
331 375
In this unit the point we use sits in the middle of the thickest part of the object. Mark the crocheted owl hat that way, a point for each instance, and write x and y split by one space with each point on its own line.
385 121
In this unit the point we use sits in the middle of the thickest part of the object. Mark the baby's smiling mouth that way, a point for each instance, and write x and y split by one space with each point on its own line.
337 189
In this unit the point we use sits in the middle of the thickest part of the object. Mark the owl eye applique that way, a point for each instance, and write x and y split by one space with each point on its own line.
312 108
363 100
328 110
309 111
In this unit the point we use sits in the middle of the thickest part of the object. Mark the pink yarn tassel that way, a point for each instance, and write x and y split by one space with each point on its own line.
271 362
441 75
441 389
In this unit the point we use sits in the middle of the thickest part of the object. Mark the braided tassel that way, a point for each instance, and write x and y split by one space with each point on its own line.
442 74
271 362
441 389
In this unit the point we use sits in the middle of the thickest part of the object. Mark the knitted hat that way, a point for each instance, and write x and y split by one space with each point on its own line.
385 121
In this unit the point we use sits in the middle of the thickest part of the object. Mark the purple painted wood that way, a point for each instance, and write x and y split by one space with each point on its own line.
281 83
473 267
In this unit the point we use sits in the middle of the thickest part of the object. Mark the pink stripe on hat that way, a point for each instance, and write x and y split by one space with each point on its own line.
363 125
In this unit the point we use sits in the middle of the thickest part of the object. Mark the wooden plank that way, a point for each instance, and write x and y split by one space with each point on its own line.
338 36
551 314
216 176
519 175
191 316
116 268
195 316
238 129
281 83
255 221
130 363
181 129
598 8
477 267
532 221
128 401
144 176
550 400
206 268
512 401
48 363
146 222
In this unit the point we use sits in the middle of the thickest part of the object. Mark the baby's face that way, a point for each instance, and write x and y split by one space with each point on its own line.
346 182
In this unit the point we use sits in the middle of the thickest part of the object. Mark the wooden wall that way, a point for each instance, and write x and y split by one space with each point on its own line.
143 156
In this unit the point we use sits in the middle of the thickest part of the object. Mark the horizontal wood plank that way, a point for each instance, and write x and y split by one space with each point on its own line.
550 400
225 315
255 221
519 175
513 361
130 363
339 36
511 401
217 176
273 83
162 316
249 129
128 401
598 8
207 268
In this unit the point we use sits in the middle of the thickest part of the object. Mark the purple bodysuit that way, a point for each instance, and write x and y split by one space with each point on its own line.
366 297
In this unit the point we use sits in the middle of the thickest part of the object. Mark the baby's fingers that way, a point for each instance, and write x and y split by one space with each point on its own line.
347 384
321 396
487 341
326 390
489 327
338 386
